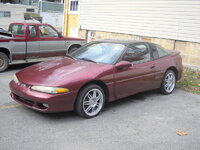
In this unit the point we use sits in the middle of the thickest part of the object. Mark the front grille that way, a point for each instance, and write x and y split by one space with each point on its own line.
30 103
26 101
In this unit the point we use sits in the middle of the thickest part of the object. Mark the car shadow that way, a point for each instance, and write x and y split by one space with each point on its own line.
58 115
18 66
137 98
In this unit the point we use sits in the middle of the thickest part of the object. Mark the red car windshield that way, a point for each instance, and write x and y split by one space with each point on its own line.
102 52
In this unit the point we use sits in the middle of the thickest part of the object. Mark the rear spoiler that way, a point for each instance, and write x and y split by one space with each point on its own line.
175 52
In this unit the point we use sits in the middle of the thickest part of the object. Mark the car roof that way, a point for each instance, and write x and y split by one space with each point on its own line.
30 23
122 41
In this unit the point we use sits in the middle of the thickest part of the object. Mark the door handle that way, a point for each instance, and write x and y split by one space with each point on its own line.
152 67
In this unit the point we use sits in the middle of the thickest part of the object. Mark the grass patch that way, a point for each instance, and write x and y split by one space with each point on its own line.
190 81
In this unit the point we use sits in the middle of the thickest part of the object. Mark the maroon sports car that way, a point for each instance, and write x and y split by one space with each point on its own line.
99 72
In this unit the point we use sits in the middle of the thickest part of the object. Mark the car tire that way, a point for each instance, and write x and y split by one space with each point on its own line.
90 101
3 62
168 83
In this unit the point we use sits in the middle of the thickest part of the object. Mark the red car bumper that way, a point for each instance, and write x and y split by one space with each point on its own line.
42 101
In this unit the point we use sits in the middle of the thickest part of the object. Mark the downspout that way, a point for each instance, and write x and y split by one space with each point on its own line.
174 46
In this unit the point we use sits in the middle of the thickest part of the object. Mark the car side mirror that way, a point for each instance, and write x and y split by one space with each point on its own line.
123 64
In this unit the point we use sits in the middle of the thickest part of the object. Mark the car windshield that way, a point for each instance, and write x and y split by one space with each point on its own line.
101 52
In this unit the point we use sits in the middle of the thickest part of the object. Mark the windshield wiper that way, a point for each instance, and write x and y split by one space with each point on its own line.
86 59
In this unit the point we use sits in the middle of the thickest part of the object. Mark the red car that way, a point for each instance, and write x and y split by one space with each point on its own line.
99 72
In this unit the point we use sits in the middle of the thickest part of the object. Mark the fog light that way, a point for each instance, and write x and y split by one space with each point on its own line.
46 105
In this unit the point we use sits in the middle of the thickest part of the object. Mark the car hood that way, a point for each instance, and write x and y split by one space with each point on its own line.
61 72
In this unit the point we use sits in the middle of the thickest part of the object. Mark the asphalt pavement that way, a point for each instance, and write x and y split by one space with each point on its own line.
143 121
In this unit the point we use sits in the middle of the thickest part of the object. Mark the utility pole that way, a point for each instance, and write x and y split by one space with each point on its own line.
40 6
64 14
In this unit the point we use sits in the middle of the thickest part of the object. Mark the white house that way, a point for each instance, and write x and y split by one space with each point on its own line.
175 24
10 13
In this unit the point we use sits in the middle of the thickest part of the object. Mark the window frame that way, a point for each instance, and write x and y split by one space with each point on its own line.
72 11
30 10
140 43
30 34
154 49
22 26
47 36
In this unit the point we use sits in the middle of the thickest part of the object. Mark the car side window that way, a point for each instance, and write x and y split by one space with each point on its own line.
161 51
137 53
32 31
47 31
17 29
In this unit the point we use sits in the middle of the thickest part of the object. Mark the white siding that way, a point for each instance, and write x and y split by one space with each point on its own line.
53 18
171 19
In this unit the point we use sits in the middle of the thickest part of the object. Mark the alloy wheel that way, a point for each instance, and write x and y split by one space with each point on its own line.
93 102
169 82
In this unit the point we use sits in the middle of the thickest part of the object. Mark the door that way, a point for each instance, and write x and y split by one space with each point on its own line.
33 48
162 62
51 43
140 76
18 44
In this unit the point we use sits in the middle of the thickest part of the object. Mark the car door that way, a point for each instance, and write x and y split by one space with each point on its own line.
18 44
161 61
33 48
51 43
140 76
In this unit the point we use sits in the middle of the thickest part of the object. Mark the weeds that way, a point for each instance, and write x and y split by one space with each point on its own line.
190 81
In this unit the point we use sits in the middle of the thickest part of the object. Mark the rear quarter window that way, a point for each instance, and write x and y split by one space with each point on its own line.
161 51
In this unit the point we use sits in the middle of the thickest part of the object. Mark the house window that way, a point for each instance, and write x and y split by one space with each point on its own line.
74 6
5 14
30 10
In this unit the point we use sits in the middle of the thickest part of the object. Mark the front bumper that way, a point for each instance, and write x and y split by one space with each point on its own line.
35 100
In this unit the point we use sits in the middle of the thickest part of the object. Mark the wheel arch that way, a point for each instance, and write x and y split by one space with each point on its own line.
99 83
73 46
5 51
173 69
